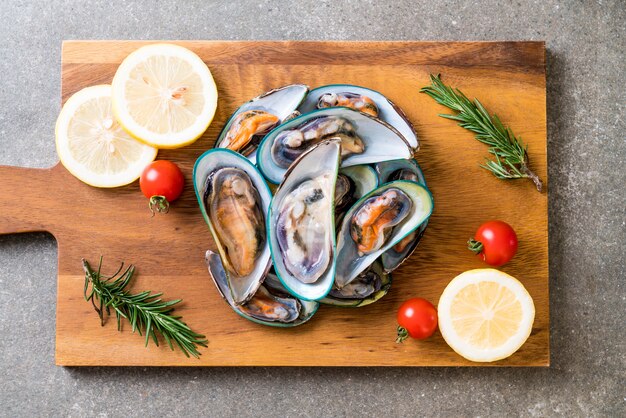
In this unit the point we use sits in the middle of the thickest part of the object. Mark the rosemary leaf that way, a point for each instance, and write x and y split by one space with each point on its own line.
146 312
510 156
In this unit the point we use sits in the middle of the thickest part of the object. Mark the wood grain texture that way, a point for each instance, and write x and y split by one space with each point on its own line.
508 77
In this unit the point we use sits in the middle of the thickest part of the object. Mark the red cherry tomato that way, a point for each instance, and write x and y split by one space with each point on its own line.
161 182
417 318
495 243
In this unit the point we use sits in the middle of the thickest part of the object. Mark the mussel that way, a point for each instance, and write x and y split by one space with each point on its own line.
234 199
363 140
301 223
267 307
363 286
302 229
375 223
291 143
246 126
352 183
365 100
401 170
404 243
368 287
344 192
372 222
356 101
235 212
254 119
270 305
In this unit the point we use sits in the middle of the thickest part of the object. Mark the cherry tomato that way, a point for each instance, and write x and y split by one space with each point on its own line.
161 182
495 243
417 318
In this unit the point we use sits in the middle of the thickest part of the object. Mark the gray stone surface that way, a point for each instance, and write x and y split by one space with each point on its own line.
587 151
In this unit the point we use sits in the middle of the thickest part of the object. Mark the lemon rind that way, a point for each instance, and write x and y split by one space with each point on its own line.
457 343
68 161
163 141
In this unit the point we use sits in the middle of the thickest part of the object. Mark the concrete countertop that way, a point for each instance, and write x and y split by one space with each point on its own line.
587 152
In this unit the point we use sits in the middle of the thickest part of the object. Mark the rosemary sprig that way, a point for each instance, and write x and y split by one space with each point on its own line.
510 157
146 312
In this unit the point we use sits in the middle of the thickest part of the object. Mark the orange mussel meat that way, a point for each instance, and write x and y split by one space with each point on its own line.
246 125
237 218
356 101
372 223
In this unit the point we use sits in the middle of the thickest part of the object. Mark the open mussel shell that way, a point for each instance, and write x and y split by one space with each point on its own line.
301 223
364 177
387 110
281 102
371 285
381 141
271 305
206 168
359 180
350 261
401 170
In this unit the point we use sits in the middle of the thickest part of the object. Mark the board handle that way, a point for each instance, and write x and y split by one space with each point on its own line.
26 198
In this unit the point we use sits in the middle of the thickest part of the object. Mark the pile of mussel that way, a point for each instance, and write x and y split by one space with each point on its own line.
350 206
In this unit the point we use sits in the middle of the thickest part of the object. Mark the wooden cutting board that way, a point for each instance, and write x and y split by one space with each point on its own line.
509 79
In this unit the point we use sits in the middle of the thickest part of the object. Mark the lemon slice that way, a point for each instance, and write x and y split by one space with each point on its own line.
95 148
164 95
485 315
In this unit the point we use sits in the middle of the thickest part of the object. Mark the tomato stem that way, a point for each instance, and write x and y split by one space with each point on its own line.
475 246
159 204
403 334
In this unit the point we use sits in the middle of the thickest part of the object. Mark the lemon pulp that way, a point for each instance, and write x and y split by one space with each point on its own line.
93 146
164 95
485 315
